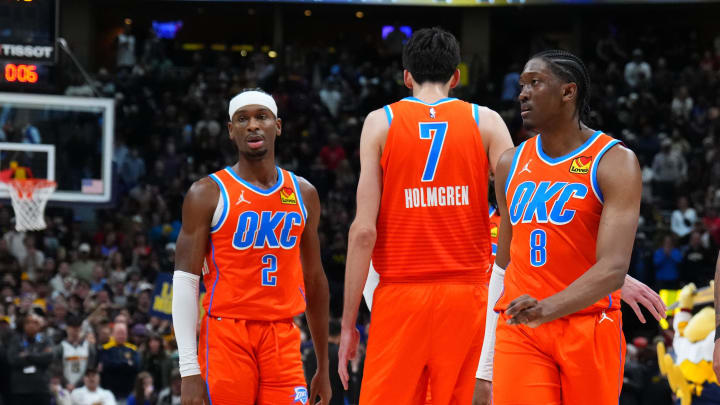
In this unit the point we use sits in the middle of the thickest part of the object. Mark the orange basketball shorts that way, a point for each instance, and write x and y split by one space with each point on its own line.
422 333
246 362
577 359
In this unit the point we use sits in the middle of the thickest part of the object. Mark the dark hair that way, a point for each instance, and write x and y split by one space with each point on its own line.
74 320
139 389
570 68
431 55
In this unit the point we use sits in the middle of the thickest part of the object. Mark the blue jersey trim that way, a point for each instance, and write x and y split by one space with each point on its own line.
476 114
441 101
553 161
513 167
217 276
299 195
388 113
255 188
593 170
207 328
224 195
492 210
207 357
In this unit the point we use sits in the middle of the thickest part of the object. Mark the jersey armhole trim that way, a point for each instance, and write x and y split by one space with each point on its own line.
299 195
389 114
513 167
217 222
476 114
593 171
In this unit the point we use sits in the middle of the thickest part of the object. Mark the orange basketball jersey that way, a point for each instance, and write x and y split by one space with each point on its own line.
252 266
432 224
554 206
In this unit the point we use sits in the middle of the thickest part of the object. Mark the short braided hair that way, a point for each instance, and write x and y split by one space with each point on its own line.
570 68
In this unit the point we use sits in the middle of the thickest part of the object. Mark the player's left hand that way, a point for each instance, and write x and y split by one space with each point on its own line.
634 292
320 385
526 310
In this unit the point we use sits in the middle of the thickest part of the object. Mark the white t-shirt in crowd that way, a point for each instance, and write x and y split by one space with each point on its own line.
83 396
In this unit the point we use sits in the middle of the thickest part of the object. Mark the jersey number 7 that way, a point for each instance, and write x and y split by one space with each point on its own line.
435 131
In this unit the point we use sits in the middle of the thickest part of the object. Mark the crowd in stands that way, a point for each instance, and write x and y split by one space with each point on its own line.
76 319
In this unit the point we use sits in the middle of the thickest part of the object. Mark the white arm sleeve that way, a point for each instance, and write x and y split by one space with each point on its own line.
372 282
185 316
495 290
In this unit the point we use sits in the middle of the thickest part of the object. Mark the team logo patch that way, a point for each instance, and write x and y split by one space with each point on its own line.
287 196
581 165
301 395
493 230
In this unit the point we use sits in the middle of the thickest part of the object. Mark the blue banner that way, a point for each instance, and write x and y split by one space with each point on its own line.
162 297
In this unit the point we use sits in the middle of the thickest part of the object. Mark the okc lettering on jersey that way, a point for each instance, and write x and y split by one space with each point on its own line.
437 196
260 230
530 202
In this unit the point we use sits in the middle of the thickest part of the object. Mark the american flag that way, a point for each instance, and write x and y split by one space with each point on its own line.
92 186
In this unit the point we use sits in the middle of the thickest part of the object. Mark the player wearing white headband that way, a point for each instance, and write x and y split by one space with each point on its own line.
250 230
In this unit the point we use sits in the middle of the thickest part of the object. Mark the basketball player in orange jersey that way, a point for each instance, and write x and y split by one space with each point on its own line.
569 199
251 229
422 188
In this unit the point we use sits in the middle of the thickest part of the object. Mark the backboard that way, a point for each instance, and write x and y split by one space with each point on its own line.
66 139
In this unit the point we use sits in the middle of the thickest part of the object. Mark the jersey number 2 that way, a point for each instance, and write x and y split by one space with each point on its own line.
435 131
271 262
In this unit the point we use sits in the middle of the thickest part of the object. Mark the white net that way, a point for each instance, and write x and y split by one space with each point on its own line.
28 201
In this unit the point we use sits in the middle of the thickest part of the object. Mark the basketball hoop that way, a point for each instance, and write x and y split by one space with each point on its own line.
29 197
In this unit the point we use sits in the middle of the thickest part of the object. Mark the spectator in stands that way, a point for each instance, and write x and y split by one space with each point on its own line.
98 280
119 362
126 49
83 266
75 354
638 72
156 362
32 260
29 355
132 170
697 264
59 395
669 169
510 87
667 261
683 219
171 395
332 153
92 393
143 392
682 105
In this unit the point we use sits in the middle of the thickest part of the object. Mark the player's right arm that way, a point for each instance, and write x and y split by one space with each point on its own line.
495 135
363 232
483 386
197 212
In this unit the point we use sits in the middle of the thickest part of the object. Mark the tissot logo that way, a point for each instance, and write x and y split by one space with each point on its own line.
26 51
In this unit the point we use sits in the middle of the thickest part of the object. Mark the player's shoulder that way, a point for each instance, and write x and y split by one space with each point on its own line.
203 186
305 187
203 194
617 157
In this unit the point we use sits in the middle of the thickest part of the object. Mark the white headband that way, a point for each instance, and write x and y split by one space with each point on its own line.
252 98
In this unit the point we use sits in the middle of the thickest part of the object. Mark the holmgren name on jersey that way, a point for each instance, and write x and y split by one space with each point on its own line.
437 196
